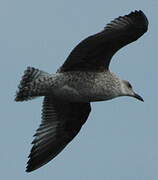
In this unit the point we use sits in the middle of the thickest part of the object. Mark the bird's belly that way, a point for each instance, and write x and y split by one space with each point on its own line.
81 94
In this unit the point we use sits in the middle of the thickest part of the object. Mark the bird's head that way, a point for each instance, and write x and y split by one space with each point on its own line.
128 90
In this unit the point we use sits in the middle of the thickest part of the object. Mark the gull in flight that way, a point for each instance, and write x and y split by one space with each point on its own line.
83 78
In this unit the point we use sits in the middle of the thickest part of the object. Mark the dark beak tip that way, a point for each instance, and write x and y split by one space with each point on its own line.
137 96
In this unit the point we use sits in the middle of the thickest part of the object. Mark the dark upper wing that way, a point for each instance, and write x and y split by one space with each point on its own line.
60 124
95 52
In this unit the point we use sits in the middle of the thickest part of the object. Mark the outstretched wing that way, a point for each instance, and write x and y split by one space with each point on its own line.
60 124
95 52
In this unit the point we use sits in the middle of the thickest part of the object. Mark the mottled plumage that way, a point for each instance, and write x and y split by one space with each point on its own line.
83 78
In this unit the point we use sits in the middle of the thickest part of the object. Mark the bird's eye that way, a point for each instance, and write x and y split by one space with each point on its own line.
129 85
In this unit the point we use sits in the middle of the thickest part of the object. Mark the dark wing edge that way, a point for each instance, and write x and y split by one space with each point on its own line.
95 52
61 122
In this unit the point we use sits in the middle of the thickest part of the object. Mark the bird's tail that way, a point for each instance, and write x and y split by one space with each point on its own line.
32 84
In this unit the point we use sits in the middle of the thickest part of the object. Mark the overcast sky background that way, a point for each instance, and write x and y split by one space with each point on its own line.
120 139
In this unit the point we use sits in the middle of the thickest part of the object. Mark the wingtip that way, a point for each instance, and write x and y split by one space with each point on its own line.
137 12
141 14
141 17
30 167
29 170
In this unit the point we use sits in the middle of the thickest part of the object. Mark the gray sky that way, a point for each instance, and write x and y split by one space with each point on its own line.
120 139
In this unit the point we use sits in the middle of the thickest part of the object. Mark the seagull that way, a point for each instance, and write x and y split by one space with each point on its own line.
83 78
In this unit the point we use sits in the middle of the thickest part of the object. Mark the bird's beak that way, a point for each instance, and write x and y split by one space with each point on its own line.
137 96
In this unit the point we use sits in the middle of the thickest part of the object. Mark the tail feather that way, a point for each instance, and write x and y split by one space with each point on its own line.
31 84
